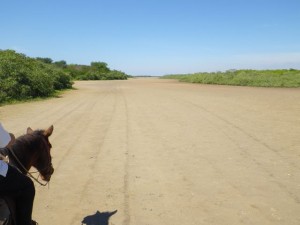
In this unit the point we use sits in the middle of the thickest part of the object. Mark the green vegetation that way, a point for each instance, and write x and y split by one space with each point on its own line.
24 78
96 71
257 78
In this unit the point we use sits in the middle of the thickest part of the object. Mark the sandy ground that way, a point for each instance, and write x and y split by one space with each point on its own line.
168 153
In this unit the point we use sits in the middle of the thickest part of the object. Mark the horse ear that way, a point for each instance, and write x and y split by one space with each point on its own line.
112 213
29 130
49 131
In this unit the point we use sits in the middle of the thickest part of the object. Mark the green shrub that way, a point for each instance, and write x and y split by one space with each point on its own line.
22 77
96 71
258 78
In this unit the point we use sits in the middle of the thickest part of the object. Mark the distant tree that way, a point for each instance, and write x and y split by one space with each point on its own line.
61 64
45 60
100 67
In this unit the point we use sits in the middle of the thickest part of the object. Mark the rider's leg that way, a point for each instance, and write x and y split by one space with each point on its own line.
21 188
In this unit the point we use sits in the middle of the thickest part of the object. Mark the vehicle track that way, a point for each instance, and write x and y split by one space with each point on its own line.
164 152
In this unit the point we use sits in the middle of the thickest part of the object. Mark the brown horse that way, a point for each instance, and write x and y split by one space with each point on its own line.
29 150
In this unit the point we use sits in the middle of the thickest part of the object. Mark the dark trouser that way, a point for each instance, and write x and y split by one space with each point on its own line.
21 189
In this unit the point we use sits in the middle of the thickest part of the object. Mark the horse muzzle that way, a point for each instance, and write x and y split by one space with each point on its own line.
46 175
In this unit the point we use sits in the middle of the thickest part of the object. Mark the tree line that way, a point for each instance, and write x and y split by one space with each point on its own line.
23 77
94 71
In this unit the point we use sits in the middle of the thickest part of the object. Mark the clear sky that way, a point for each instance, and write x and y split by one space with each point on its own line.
156 37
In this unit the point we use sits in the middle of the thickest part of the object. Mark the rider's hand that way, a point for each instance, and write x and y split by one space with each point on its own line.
4 158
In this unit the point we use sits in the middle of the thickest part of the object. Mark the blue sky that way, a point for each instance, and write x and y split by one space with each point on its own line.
156 37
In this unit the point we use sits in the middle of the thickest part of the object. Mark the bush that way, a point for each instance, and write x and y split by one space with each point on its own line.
258 78
22 77
96 71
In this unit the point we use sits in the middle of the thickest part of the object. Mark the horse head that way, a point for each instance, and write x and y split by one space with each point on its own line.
33 149
42 159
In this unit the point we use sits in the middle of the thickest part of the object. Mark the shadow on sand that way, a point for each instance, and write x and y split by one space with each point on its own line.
99 218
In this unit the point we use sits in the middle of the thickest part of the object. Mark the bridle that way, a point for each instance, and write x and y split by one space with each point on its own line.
46 169
27 171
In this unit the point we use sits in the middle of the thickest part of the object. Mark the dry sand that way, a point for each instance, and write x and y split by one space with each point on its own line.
168 153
